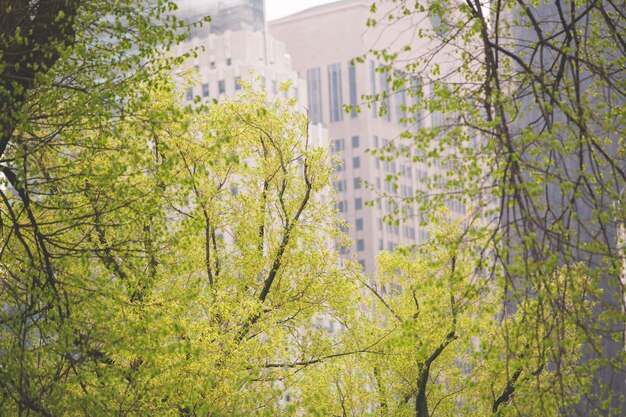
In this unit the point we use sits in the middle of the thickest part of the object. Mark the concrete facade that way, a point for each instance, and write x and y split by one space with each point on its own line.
233 15
322 42
224 59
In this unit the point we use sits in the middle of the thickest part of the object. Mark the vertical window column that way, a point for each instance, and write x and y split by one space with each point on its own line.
314 86
334 93
400 101
352 85
416 86
373 88
384 92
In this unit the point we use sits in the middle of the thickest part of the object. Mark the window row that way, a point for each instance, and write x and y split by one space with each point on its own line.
212 64
386 85
335 93
339 144
341 185
342 206
341 166
205 91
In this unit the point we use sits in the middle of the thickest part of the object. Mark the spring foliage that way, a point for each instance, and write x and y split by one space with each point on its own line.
163 260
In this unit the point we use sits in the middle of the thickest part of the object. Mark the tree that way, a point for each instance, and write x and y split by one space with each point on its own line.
197 268
534 118
71 74
259 229
432 341
155 260
446 349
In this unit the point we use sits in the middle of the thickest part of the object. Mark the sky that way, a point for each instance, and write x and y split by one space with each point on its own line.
281 8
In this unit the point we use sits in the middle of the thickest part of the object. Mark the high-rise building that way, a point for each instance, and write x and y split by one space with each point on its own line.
224 59
323 42
235 47
233 15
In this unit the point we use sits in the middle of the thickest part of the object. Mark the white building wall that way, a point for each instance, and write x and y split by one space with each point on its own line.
324 36
223 59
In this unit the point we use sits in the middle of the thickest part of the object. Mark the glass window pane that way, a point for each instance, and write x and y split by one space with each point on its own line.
334 93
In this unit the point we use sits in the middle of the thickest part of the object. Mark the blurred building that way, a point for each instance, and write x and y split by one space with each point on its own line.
323 42
224 59
233 15
315 50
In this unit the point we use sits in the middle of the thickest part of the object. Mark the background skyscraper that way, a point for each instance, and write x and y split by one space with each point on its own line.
323 42
233 15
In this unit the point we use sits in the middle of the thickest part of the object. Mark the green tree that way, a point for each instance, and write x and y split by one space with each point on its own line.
154 259
259 229
198 268
532 101
437 343
74 76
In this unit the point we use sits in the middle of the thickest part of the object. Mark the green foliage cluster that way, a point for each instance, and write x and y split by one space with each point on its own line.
440 346
529 98
157 259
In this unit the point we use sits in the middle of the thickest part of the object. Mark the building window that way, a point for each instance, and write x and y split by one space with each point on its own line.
205 90
274 86
437 119
352 84
359 224
390 166
237 83
334 93
221 87
340 186
400 102
381 244
189 94
338 145
356 162
314 86
340 166
358 204
342 206
416 86
384 87
355 141
228 61
362 263
360 245
357 183
212 64
373 88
